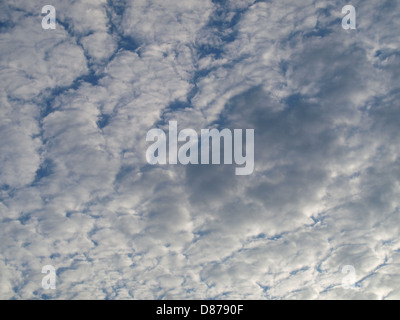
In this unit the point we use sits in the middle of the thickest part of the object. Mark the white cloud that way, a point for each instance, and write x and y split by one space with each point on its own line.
77 193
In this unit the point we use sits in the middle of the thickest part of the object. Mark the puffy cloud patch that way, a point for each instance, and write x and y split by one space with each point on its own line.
76 191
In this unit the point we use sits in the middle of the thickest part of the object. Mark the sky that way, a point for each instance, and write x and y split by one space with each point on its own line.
77 193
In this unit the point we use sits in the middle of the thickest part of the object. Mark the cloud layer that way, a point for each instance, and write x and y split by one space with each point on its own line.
77 193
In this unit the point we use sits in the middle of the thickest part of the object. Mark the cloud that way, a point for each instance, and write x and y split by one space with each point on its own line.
76 191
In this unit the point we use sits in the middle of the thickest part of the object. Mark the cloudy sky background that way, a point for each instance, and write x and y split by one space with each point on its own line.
77 193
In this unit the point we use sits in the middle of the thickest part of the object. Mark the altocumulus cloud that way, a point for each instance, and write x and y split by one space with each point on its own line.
77 193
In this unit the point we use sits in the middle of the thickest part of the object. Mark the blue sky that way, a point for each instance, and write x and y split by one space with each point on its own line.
77 193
